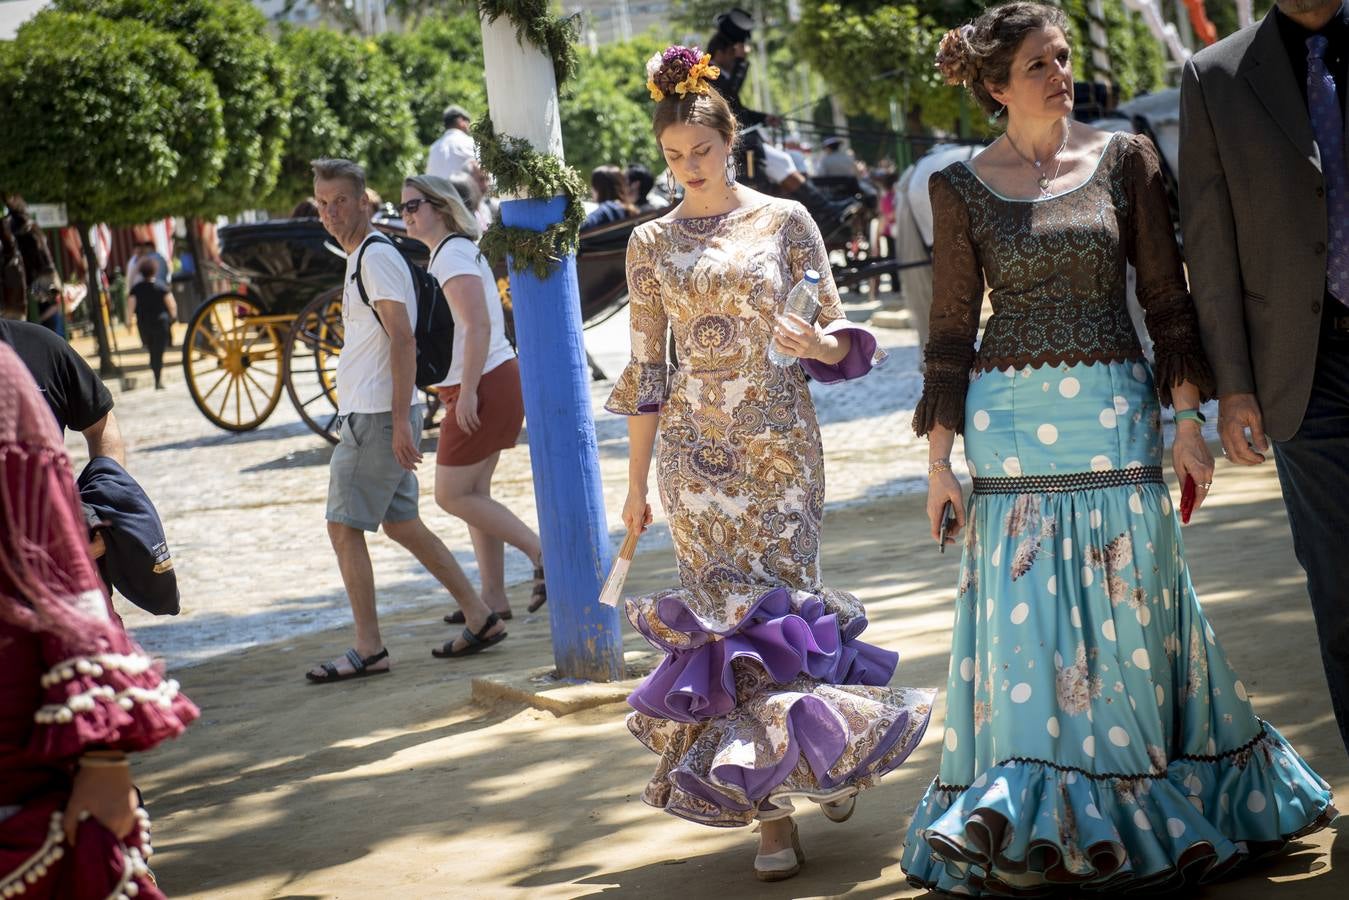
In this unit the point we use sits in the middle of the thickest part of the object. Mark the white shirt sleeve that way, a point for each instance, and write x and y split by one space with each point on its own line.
385 276
457 257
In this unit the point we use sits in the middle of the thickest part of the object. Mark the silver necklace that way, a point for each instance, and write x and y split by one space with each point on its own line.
1043 179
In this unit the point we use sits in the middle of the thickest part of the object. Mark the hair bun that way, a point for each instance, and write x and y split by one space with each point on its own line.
679 71
955 57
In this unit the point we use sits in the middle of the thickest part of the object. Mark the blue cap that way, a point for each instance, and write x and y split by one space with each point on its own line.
812 276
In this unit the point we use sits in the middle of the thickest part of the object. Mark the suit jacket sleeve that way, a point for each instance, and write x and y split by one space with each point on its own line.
1211 243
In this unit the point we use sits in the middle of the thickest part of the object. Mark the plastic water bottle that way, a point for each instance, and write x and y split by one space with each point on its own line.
803 300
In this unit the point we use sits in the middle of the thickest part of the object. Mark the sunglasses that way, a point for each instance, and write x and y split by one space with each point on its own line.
413 205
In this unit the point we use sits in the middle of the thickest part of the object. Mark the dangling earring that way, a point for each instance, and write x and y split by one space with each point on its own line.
669 183
993 119
730 171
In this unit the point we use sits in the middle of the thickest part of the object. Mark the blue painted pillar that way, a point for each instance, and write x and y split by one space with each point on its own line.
587 641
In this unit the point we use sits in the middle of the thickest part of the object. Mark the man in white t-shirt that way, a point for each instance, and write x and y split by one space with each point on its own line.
371 477
454 151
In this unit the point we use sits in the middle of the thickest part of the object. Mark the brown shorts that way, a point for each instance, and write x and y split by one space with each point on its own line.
501 413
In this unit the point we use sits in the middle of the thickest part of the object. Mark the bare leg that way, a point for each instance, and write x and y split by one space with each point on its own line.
358 577
459 494
432 553
775 835
490 550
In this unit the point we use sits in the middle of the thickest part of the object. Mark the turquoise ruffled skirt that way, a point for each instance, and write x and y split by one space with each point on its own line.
1096 736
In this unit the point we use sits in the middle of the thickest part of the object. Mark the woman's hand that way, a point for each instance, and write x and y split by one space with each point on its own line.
943 487
1190 456
466 411
636 511
795 336
106 793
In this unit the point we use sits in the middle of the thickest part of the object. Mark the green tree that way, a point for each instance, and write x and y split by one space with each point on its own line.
228 40
442 59
350 102
113 119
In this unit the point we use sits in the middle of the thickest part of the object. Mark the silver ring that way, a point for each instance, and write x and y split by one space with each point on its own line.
1206 484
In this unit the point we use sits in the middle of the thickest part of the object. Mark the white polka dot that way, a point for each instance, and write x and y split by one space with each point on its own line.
1140 658
981 419
995 558
1175 827
1198 804
1058 657
1193 784
1108 629
1019 613
1067 548
1092 811
1121 405
1021 693
1108 418
1047 433
1089 746
988 608
1166 598
1166 505
951 740
1075 616
1053 584
1208 632
1012 466
1144 615
1140 373
1256 802
1088 576
1095 518
1052 726
1069 387
1161 695
1241 691
967 669
1136 504
1070 777
1141 820
1119 737
1133 464
980 781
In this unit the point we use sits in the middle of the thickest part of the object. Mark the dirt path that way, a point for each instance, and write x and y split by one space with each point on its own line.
398 787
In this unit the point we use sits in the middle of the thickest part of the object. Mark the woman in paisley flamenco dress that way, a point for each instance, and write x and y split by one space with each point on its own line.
766 693
1096 737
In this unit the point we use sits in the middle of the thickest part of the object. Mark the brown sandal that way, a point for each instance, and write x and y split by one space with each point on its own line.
539 595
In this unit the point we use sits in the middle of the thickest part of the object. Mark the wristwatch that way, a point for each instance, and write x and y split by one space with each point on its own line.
1193 414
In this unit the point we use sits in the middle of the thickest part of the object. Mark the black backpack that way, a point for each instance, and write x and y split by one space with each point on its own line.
434 333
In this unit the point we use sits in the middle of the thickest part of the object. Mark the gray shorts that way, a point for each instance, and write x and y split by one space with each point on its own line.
366 485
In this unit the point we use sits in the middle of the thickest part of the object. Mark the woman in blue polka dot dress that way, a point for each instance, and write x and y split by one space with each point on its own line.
1096 737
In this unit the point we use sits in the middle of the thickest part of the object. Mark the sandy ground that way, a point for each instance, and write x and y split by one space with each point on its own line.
399 787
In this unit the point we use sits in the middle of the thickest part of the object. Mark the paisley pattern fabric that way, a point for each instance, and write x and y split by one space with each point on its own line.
1055 272
1096 737
766 691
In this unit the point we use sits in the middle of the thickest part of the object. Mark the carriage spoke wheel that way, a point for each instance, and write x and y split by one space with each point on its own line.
232 362
312 349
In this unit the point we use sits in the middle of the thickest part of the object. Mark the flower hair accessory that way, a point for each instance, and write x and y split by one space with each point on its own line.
955 57
679 71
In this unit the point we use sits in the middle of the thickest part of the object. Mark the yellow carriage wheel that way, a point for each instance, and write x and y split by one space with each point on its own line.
232 361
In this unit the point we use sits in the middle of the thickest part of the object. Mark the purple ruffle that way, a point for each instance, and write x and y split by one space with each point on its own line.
863 355
696 684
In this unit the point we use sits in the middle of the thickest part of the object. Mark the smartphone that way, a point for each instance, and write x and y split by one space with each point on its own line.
1187 499
948 521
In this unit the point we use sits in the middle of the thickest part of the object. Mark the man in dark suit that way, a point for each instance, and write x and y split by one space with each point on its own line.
1264 197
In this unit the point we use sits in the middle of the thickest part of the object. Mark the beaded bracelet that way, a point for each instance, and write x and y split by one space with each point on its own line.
940 465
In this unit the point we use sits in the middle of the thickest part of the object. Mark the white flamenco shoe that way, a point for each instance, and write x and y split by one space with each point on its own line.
783 864
840 810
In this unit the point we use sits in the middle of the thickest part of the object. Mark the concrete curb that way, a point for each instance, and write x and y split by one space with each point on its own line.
541 689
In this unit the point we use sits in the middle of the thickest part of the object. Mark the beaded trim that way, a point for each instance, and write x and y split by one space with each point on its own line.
96 665
35 867
161 695
1119 776
1074 481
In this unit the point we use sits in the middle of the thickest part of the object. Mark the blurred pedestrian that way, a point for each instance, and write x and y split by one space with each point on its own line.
640 185
455 149
612 195
729 49
146 250
837 160
44 284
77 695
154 309
484 409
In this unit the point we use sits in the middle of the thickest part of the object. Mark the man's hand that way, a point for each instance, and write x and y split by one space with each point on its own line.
1242 429
405 448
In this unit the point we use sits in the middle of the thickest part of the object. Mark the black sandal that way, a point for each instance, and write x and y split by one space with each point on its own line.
360 668
457 617
539 595
475 643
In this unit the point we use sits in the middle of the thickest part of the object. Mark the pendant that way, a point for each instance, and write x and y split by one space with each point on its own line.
1044 182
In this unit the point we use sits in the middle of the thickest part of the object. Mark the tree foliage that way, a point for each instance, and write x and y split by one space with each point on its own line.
350 102
228 40
442 60
114 119
606 109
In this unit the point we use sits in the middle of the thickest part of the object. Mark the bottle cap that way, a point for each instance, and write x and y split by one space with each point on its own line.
812 276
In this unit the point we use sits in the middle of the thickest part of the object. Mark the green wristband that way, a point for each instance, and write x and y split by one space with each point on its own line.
1192 414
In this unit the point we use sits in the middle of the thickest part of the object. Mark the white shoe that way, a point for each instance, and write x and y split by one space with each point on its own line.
840 810
783 864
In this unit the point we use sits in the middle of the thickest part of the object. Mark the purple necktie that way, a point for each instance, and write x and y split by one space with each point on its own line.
1328 124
